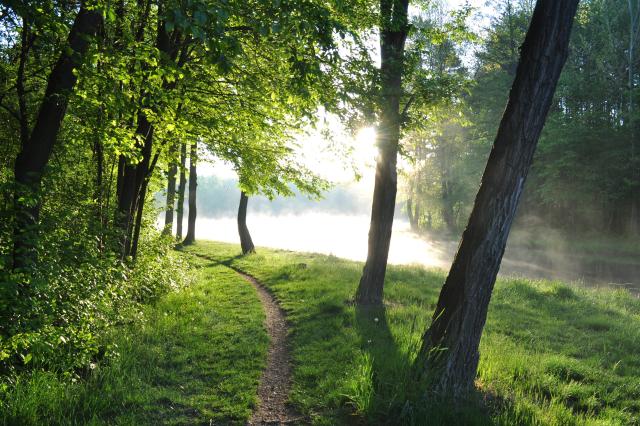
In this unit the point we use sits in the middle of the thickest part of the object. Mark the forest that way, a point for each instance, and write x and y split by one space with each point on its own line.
486 119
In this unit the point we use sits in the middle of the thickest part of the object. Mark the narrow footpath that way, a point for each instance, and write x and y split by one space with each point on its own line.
275 382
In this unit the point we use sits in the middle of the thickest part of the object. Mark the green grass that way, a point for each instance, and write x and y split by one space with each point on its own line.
551 353
195 357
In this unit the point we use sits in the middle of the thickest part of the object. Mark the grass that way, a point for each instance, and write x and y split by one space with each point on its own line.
194 358
551 353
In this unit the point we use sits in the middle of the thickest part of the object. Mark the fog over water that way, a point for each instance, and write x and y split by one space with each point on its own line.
328 233
345 236
339 224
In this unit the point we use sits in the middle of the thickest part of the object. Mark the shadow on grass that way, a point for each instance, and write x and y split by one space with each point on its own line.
389 394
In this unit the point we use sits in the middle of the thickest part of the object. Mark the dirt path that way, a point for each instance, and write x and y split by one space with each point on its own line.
275 382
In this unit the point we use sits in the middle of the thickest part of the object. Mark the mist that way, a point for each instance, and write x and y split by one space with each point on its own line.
338 225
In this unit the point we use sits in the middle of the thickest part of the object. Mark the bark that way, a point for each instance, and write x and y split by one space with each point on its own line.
246 243
131 186
394 29
190 238
171 196
448 358
181 187
634 16
36 151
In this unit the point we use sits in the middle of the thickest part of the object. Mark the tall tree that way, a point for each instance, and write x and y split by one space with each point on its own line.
246 243
190 238
171 194
36 150
394 28
449 354
181 188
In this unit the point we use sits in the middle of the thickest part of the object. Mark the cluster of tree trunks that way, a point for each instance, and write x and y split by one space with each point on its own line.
449 353
181 187
133 179
37 148
171 195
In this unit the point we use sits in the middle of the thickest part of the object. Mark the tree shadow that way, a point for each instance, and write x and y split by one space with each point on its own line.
397 398
388 366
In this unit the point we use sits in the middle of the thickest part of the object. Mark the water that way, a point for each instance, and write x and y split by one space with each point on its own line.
346 236
339 235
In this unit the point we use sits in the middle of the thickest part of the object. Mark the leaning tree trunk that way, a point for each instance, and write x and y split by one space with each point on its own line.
171 195
448 359
190 238
36 151
394 29
181 186
245 237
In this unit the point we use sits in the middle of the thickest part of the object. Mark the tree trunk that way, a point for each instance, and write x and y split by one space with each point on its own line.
132 179
181 186
449 355
634 223
245 237
98 152
411 215
135 177
394 29
193 184
171 196
35 153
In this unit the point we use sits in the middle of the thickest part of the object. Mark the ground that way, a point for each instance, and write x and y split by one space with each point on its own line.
551 353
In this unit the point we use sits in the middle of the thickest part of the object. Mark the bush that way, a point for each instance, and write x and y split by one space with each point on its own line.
71 303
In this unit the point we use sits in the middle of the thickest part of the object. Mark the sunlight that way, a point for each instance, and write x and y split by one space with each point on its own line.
365 150
341 235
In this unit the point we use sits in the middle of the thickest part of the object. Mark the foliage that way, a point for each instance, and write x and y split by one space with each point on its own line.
585 174
243 78
72 305
195 356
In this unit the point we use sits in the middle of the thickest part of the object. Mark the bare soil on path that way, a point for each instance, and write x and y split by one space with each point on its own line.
275 383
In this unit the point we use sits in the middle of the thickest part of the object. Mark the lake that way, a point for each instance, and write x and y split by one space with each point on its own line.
346 236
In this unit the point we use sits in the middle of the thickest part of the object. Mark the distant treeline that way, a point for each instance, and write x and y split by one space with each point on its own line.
218 197
586 173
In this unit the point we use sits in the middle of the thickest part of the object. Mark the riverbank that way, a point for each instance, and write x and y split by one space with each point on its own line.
536 253
551 353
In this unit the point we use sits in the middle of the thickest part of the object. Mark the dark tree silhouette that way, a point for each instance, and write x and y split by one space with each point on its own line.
449 354
181 187
393 34
171 196
190 238
36 150
245 237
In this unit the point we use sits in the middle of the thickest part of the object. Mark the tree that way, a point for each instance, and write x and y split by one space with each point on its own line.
36 150
449 354
246 244
181 187
190 238
411 81
171 196
394 27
